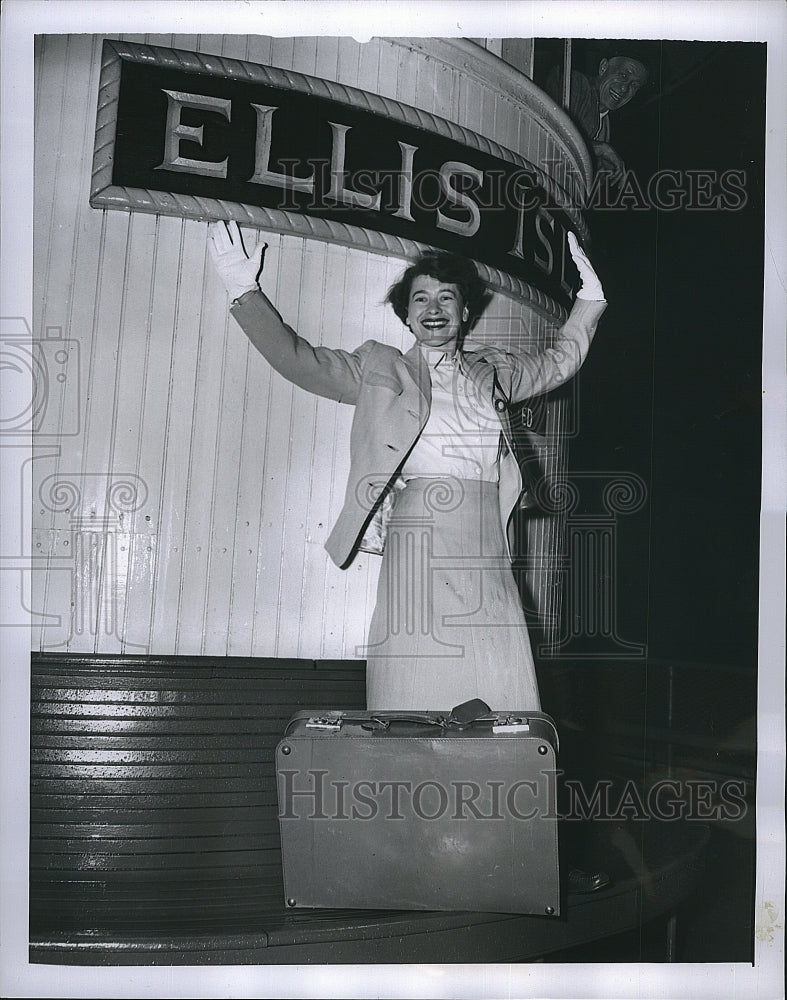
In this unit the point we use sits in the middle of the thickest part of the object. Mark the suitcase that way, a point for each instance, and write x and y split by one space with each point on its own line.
407 811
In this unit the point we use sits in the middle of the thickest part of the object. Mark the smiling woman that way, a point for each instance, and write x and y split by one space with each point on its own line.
433 476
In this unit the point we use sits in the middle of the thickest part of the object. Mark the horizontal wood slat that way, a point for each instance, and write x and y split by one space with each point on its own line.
153 790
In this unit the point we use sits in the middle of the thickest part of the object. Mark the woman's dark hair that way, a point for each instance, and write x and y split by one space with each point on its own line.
448 268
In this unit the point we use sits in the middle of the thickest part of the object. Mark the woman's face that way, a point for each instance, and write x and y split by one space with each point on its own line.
435 313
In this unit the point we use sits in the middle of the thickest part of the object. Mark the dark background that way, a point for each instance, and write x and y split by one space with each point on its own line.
671 391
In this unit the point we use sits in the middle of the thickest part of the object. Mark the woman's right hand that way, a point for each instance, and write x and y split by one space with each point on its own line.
238 268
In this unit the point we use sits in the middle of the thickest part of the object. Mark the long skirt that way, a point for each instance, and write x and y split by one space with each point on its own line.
448 624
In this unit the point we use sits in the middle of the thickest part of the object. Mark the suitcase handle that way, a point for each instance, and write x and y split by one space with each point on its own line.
461 717
377 722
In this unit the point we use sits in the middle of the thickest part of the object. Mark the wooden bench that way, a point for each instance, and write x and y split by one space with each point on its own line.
154 835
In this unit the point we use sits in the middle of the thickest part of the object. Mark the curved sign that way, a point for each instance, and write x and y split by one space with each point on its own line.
188 134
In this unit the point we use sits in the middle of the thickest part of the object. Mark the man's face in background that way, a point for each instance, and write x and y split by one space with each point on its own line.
619 79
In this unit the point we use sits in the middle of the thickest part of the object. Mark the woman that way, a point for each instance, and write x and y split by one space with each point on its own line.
433 479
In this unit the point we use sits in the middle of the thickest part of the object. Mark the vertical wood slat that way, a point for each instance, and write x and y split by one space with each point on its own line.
304 55
328 456
407 77
258 377
175 487
301 486
50 69
57 271
388 70
208 332
278 430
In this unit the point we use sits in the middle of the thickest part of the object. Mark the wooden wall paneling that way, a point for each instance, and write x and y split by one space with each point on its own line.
235 46
277 428
368 565
51 92
408 67
304 54
494 45
110 302
348 61
53 511
40 65
51 547
518 52
127 488
327 63
388 73
94 562
314 559
508 115
248 508
155 378
189 43
162 40
227 474
444 101
174 511
328 462
59 178
357 326
542 150
209 331
260 49
557 168
461 98
345 327
158 445
524 136
474 104
425 94
281 52
211 44
489 106
300 486
174 395
363 293
369 65
324 488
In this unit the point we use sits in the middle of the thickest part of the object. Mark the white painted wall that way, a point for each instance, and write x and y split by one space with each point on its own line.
187 513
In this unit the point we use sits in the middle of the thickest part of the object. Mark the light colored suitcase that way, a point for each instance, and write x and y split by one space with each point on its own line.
405 811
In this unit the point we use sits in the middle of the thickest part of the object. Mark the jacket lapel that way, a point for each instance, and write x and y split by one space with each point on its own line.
416 366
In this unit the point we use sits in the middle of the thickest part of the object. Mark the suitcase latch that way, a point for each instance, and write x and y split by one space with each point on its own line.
327 723
511 724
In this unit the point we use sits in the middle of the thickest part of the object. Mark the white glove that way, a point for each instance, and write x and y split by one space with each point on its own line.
591 286
237 268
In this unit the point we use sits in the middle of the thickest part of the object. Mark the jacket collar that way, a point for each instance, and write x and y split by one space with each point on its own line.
475 365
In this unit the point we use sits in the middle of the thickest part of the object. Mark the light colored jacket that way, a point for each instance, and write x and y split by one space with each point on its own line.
391 392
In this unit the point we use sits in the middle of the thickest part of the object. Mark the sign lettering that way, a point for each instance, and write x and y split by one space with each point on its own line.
228 138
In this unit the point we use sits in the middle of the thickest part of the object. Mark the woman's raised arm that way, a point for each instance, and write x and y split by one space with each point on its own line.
322 370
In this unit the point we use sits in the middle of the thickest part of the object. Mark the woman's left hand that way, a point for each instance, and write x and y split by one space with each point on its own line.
591 286
238 268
